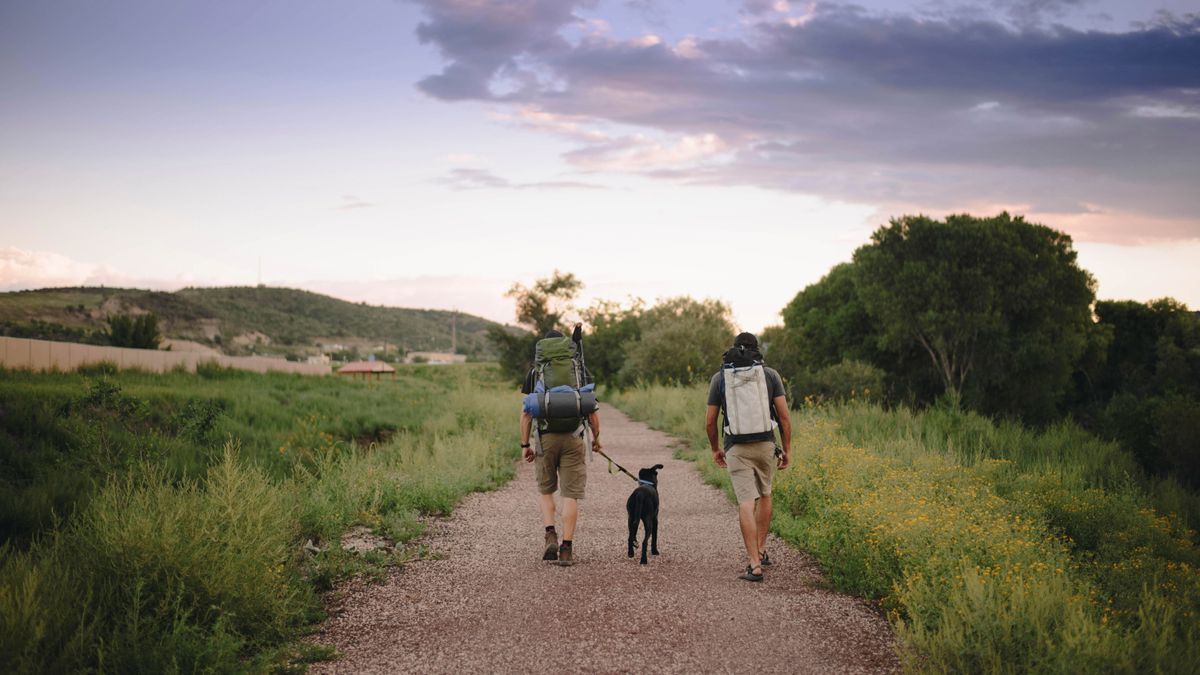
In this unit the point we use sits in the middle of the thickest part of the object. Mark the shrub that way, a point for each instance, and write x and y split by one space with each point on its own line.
845 381
681 342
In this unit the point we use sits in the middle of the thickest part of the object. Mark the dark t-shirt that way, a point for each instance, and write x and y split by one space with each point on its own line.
716 396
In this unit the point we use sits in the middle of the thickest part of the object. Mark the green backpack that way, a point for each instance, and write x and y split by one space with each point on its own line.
558 361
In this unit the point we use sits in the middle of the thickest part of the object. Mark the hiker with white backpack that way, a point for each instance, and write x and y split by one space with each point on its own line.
559 428
751 398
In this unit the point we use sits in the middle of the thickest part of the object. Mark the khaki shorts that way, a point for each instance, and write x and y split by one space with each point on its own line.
562 459
751 468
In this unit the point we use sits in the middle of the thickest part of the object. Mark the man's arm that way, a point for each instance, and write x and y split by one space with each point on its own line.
526 428
594 423
710 427
785 430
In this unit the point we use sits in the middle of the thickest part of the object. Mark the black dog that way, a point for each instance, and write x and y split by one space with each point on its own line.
643 508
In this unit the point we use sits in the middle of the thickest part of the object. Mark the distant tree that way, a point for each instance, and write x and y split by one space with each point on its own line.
1154 349
544 306
540 308
1145 392
1000 306
611 326
681 341
138 332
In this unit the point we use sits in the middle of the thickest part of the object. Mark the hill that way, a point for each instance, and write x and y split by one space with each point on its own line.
241 319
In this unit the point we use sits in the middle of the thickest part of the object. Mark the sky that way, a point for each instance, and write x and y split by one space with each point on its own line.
431 153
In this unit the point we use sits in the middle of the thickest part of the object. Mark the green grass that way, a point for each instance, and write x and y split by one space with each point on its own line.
181 544
993 548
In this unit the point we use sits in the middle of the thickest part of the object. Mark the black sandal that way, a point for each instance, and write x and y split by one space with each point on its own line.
749 574
766 559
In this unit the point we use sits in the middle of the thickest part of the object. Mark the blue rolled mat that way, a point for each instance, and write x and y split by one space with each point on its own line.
560 404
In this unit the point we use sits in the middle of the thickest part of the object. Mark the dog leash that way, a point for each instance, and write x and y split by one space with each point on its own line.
611 464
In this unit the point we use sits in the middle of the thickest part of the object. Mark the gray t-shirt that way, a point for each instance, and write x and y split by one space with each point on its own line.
716 396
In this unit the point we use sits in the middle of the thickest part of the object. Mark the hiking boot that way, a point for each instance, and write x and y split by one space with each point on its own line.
551 546
566 557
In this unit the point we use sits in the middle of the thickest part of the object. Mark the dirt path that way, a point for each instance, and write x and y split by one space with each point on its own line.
492 605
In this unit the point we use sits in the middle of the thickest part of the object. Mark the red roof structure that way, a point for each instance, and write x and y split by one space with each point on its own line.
366 369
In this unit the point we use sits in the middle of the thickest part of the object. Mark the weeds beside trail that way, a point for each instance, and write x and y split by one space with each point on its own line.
992 548
157 523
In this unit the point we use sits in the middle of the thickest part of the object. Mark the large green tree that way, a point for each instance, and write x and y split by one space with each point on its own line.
827 325
999 306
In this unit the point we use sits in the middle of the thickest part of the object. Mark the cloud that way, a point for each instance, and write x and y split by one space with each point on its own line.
638 153
22 270
481 179
481 39
901 111
350 202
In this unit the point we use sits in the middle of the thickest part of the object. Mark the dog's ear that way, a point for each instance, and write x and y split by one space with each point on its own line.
657 467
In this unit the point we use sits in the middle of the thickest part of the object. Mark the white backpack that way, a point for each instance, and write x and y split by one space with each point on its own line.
747 403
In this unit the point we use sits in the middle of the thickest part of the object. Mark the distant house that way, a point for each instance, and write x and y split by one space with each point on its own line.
434 357
367 369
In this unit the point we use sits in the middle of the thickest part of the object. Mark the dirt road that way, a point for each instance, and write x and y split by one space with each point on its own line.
492 605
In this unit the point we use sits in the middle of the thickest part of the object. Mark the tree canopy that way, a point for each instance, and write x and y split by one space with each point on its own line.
542 307
681 341
996 309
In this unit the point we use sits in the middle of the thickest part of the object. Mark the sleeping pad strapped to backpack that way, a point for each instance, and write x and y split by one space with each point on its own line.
563 393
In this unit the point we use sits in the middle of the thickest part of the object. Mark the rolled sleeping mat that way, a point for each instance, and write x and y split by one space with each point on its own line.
560 404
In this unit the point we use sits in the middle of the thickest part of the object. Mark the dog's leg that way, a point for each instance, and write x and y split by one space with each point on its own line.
646 537
633 525
654 534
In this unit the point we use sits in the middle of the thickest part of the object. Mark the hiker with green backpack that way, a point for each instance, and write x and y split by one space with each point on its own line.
752 400
559 427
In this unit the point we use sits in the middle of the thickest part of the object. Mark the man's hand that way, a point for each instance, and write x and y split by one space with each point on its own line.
719 458
528 453
785 459
596 444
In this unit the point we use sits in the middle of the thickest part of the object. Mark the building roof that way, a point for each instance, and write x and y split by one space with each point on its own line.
366 367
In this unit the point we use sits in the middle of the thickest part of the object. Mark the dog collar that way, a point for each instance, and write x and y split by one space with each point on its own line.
646 482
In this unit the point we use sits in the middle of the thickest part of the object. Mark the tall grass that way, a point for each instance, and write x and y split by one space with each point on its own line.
993 548
206 569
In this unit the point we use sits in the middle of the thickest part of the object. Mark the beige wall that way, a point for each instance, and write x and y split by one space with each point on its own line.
19 353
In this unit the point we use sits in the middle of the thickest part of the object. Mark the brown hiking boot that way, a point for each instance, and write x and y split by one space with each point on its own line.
551 546
566 557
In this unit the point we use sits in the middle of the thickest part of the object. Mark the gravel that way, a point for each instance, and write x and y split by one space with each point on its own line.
492 605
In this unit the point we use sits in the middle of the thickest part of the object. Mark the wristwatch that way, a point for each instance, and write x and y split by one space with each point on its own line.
524 445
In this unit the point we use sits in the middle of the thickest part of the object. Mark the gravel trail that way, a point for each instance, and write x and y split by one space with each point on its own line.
492 605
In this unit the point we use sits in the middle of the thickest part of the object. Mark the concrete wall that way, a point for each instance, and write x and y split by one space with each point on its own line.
19 353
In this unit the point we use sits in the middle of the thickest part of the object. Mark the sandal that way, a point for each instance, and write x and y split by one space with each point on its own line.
749 574
765 560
